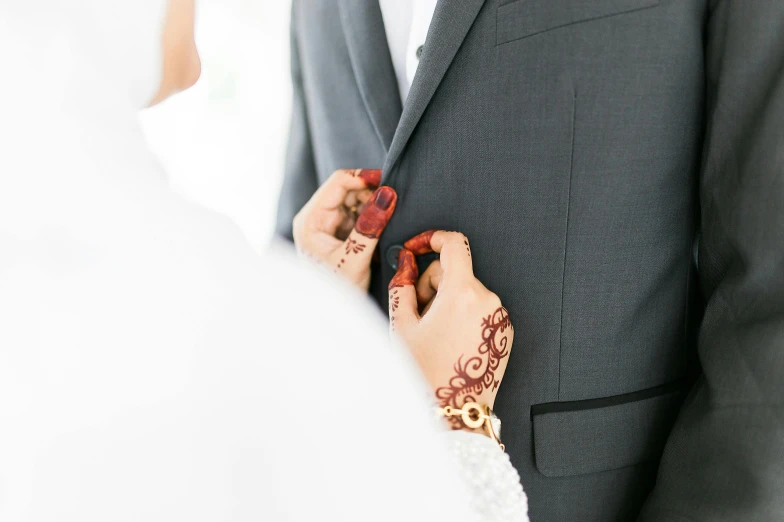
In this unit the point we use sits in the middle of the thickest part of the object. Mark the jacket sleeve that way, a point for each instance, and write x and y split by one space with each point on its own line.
724 460
299 178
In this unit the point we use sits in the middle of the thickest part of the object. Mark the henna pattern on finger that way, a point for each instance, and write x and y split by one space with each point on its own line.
394 300
371 222
352 245
406 275
477 373
394 303
377 213
420 244
371 177
407 270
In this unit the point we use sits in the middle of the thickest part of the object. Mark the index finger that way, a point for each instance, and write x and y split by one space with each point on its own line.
453 247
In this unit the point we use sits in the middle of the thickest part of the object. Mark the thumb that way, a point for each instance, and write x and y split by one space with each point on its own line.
403 307
357 250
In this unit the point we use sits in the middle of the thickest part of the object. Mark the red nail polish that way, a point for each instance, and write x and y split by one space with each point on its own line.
407 270
420 244
385 197
377 213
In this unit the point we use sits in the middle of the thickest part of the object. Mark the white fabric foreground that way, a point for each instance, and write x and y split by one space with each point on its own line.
152 367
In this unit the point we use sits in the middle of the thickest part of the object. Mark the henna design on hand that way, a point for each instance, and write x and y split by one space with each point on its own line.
377 213
394 303
371 177
477 373
352 245
420 244
407 270
394 300
406 275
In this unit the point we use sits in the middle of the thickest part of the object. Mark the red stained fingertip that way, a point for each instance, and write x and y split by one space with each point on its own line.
377 213
420 244
371 177
407 270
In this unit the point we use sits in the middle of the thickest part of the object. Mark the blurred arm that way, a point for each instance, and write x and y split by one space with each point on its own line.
494 489
299 181
724 458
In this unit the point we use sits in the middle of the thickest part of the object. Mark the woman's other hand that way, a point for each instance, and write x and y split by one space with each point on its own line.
341 224
458 330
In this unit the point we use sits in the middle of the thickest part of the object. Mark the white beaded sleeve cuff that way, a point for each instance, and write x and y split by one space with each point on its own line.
492 481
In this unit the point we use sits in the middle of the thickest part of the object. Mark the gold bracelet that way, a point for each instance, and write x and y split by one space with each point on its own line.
474 416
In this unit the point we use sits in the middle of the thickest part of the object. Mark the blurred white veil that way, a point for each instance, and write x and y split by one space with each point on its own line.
151 366
74 75
56 45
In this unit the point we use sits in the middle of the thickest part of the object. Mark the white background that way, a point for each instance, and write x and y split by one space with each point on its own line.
223 141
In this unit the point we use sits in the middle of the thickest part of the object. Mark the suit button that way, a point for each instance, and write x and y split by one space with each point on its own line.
419 51
392 253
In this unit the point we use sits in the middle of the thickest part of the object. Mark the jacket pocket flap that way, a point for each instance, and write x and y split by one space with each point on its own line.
524 18
574 438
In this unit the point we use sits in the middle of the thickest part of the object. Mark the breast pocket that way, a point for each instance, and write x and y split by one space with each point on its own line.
523 18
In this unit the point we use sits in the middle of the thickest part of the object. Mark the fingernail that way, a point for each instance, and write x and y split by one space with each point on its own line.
371 177
377 213
407 270
384 197
420 244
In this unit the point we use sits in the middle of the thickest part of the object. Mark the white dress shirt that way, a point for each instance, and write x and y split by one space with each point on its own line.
406 23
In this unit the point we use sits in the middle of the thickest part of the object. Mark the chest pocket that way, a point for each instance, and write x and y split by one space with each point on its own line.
523 18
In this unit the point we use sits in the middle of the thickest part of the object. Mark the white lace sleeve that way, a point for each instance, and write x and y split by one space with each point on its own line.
496 494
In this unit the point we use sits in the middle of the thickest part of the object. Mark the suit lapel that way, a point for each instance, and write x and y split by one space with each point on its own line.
368 50
451 21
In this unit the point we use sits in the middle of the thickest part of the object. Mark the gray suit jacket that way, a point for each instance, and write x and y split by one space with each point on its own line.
618 166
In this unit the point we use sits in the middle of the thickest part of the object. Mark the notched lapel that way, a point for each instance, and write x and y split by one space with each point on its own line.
368 50
451 22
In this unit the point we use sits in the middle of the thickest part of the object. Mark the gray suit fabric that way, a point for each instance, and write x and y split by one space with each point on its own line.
618 166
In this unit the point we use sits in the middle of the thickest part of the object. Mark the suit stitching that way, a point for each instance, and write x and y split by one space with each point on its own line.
566 241
576 22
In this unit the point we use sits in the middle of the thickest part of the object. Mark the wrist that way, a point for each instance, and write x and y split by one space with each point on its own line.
473 417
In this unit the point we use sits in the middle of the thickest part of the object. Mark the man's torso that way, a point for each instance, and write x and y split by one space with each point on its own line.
564 140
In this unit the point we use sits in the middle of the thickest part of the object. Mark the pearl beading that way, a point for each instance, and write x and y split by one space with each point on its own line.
494 484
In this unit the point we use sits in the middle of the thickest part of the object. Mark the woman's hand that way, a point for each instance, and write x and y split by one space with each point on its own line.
342 222
463 335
